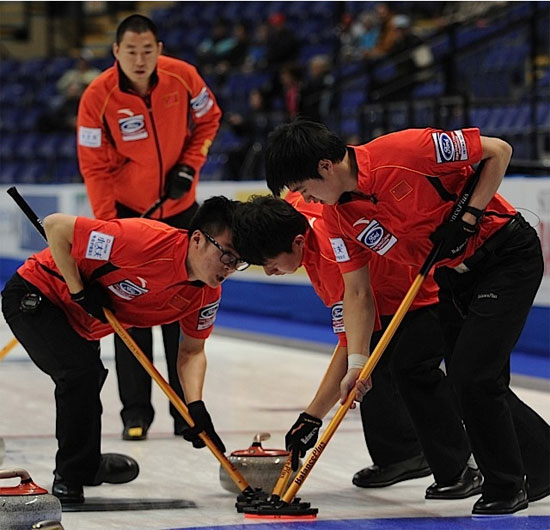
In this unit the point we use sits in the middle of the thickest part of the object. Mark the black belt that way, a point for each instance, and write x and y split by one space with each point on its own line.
494 242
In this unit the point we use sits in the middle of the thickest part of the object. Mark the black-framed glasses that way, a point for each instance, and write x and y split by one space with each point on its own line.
227 257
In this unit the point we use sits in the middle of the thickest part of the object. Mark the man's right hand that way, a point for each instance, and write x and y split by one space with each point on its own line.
93 298
203 423
302 436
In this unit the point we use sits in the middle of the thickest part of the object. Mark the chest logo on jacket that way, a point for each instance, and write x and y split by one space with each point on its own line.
127 289
375 236
207 315
133 128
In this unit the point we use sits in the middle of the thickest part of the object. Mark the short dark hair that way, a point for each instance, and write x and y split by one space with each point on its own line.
294 150
264 227
137 24
214 216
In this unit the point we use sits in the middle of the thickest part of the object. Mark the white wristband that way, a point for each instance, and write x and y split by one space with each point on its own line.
356 360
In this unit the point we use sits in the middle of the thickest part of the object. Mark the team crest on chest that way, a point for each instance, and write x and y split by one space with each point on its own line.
132 127
207 315
375 236
127 289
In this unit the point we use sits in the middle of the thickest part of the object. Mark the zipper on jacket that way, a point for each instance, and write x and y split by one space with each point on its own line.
147 100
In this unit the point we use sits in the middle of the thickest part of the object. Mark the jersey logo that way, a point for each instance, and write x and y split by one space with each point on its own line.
450 146
202 103
207 315
375 236
127 289
89 136
99 246
133 128
337 313
339 248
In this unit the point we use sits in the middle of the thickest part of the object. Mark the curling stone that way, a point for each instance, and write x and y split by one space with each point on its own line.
25 504
260 467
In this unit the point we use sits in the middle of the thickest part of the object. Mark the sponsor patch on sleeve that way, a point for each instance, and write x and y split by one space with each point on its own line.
89 136
99 246
339 249
337 312
207 315
202 103
450 146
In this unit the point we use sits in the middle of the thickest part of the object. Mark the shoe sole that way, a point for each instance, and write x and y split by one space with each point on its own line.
539 496
471 493
134 434
409 475
522 506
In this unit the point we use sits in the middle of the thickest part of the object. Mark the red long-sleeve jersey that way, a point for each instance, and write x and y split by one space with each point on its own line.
128 143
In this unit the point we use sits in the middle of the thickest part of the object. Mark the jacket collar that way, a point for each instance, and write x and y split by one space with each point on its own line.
126 86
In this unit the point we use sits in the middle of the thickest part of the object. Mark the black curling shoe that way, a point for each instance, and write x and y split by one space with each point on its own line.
502 506
468 483
115 468
381 476
67 493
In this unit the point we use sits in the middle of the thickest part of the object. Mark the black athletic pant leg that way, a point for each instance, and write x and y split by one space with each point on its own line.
77 371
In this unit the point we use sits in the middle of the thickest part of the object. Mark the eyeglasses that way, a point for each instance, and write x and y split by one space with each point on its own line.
227 257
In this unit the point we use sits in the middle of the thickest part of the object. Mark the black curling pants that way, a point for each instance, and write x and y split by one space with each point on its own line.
134 383
483 312
75 367
410 408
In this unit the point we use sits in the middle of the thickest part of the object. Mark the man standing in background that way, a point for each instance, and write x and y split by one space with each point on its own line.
144 129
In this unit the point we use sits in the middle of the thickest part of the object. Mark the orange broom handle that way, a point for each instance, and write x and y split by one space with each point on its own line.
232 471
8 347
364 374
286 472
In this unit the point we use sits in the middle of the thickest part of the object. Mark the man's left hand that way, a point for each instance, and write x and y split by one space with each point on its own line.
362 386
179 181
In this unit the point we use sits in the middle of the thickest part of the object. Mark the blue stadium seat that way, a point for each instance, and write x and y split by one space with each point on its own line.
32 172
26 148
48 145
9 171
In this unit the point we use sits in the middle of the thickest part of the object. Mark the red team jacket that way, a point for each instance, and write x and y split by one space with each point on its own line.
142 264
127 144
390 281
409 181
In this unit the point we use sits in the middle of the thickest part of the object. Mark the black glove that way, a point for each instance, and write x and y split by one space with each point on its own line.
93 298
203 423
302 436
454 237
179 180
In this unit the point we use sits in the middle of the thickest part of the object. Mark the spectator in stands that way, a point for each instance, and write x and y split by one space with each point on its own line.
245 161
224 50
388 35
317 92
409 54
144 129
282 44
61 115
358 37
290 78
257 51
216 48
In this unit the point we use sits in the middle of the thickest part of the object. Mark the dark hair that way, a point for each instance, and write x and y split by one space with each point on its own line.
137 24
294 150
264 227
214 216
